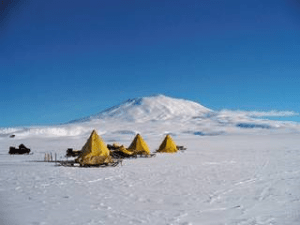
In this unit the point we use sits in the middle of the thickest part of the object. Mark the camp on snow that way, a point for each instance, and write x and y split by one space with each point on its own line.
96 153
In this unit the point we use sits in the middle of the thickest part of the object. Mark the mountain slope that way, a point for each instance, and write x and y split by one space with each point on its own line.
153 108
158 115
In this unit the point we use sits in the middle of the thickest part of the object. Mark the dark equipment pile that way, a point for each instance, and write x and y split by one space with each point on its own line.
19 151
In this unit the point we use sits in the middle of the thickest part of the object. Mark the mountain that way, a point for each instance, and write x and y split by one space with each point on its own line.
155 115
153 108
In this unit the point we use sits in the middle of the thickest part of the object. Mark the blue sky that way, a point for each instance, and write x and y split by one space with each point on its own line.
63 60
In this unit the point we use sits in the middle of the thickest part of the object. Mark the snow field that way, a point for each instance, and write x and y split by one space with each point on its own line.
227 179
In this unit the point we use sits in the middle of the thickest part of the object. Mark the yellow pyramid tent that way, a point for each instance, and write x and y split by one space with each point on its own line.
94 151
168 145
139 146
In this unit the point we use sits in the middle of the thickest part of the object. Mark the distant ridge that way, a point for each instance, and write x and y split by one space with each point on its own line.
152 108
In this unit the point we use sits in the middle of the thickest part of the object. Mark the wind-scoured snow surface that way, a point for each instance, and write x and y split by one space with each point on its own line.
236 170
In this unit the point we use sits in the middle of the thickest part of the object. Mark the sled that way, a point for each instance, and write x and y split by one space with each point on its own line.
181 148
122 155
76 164
147 156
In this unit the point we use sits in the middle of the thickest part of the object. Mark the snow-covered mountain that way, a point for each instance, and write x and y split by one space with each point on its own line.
157 115
153 108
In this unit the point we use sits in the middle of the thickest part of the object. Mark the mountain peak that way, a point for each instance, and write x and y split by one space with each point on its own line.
151 108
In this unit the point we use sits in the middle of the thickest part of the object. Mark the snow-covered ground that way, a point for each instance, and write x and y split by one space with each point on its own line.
236 170
234 179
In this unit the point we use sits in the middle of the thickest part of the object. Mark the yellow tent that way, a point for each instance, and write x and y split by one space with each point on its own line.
94 151
139 146
168 145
